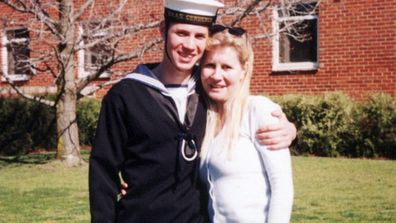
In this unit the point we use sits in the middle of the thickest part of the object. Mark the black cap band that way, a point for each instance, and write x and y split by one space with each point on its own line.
182 17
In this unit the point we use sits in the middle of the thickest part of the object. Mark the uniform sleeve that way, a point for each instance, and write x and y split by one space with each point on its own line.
106 159
277 163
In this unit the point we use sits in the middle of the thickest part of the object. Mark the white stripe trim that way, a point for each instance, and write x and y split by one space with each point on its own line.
144 75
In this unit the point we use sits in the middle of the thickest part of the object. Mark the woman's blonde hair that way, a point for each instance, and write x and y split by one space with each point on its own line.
230 116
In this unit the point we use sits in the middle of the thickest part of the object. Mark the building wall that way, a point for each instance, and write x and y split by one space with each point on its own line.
357 50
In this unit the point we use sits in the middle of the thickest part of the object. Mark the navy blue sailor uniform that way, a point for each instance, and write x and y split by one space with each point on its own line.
139 136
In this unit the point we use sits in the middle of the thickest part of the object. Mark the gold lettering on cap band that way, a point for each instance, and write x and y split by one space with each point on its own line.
189 18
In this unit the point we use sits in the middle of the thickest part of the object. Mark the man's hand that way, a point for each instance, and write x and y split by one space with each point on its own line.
277 136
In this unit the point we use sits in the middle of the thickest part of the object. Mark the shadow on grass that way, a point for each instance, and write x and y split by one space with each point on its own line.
35 158
32 158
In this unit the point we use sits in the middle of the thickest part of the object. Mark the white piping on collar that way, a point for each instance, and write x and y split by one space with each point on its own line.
144 75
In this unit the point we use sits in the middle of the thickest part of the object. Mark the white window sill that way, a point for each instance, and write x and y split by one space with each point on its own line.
16 77
104 75
304 66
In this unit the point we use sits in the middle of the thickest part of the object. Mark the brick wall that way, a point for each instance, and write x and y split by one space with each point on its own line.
357 49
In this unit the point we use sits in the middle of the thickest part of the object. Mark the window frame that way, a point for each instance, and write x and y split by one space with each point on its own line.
277 65
81 54
5 56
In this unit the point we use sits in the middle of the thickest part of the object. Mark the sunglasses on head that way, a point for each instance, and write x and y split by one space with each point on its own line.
236 31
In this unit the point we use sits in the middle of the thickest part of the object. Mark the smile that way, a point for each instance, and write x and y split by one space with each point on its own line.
216 86
186 55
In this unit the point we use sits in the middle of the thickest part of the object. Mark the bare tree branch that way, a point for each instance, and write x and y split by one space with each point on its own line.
83 82
246 12
115 36
117 11
98 87
37 12
82 10
24 95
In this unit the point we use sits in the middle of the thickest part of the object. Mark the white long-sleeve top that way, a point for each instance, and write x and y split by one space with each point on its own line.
251 184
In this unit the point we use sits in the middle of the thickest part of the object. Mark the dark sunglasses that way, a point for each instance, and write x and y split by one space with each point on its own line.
236 31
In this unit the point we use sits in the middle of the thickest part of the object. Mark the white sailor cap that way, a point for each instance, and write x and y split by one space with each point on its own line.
198 12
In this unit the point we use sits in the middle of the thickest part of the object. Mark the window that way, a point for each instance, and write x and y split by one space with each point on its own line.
96 48
16 54
295 43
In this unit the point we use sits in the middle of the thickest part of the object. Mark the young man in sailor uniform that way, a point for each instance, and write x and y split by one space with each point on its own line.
151 126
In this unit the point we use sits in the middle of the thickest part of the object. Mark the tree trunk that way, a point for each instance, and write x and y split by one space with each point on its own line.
68 146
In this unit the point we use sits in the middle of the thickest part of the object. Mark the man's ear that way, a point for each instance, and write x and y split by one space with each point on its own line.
162 29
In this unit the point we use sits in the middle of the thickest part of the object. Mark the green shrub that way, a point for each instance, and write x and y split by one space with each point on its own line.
323 122
378 127
328 125
87 118
25 125
334 125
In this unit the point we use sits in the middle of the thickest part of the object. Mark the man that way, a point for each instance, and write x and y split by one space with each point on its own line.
151 126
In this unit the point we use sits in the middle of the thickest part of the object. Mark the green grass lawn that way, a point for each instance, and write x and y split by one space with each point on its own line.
344 190
36 189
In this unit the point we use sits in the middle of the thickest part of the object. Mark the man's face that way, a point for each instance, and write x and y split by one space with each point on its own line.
186 44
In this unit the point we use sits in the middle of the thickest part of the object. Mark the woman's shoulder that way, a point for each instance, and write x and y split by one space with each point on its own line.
262 103
259 111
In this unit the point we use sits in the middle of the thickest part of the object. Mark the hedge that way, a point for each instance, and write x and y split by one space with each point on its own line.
377 125
26 125
328 125
334 125
87 117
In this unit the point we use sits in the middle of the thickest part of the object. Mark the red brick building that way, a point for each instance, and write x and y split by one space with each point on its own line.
352 49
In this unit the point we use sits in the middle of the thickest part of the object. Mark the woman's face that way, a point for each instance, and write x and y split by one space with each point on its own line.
221 73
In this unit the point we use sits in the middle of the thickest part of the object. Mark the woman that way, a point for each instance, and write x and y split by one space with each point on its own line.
246 182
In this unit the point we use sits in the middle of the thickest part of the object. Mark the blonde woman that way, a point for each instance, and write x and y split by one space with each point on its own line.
246 181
